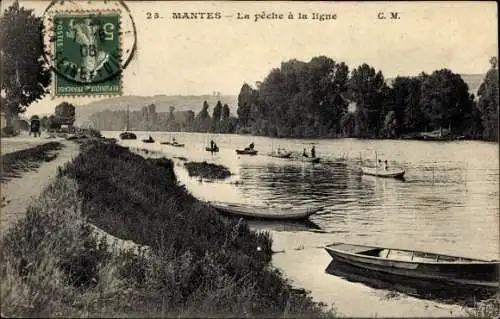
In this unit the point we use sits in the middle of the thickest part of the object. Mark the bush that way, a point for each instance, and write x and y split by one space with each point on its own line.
207 170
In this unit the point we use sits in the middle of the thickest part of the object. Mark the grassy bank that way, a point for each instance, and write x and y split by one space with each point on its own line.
207 170
199 263
24 160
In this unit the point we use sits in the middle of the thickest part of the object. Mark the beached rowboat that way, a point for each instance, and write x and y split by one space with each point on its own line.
381 172
418 265
246 152
276 213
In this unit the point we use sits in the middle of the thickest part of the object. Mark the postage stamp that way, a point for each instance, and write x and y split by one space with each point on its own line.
86 53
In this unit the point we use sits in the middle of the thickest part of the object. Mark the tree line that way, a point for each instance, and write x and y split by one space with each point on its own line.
321 98
147 119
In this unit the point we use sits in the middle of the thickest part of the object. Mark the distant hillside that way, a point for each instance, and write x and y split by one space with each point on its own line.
162 102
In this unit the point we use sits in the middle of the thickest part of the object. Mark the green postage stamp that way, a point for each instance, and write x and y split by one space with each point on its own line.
86 53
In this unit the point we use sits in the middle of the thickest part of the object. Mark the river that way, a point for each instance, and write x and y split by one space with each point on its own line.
448 202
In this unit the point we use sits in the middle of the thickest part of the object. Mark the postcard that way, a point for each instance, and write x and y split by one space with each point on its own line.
249 159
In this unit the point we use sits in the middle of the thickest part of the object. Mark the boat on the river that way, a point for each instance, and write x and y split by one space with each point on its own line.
149 140
213 150
265 212
313 160
418 265
247 152
281 154
382 172
125 135
174 144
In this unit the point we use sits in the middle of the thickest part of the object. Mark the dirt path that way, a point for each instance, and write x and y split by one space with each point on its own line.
20 192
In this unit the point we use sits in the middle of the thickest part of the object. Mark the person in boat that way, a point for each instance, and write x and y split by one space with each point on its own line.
150 138
250 147
305 153
174 141
212 144
385 165
313 152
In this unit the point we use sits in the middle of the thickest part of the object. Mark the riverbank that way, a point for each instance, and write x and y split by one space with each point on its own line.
198 263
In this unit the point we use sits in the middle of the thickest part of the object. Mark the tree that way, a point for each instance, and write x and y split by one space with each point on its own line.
202 121
52 123
488 102
226 112
445 100
414 118
171 116
65 113
25 75
217 112
44 122
245 99
367 89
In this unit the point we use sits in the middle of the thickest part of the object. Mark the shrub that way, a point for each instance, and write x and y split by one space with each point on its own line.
207 170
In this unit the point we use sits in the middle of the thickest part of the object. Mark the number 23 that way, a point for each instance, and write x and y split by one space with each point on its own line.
150 15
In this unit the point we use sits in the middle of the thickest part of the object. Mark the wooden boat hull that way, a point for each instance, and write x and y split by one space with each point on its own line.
246 152
128 136
215 150
314 160
380 172
172 144
284 155
450 270
265 212
148 141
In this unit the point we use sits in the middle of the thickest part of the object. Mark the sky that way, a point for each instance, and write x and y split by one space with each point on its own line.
201 56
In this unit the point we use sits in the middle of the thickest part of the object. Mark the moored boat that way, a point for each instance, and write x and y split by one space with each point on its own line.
418 265
313 160
214 150
281 154
149 140
125 135
247 152
128 136
263 212
382 172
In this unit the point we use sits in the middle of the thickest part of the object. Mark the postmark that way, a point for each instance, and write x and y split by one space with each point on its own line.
88 45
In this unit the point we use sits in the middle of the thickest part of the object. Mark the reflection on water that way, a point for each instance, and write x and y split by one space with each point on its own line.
448 202
423 289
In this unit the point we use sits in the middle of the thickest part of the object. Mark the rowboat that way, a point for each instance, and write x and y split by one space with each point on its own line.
418 265
246 152
381 172
313 160
151 140
281 155
175 144
215 149
128 136
262 212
